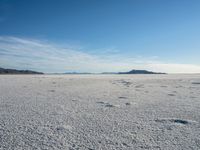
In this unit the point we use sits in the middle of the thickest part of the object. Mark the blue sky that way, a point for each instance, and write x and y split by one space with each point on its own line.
100 35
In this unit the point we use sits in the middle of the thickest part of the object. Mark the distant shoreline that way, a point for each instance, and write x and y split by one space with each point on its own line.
15 71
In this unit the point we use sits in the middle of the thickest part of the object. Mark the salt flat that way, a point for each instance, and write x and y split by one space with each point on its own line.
100 112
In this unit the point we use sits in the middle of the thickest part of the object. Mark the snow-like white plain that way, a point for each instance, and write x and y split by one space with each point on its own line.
93 112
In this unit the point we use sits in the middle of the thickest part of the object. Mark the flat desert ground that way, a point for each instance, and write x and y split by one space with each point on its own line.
99 112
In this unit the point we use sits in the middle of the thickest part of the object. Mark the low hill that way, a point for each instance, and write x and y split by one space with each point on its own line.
14 71
140 72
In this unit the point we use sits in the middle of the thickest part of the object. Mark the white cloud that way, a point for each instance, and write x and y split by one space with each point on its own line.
174 68
34 54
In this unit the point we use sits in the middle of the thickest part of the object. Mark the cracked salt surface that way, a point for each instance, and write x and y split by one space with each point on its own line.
60 112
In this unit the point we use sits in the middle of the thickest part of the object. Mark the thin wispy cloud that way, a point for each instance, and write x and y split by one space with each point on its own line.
24 53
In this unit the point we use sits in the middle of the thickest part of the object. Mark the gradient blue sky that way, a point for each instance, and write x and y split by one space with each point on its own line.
100 35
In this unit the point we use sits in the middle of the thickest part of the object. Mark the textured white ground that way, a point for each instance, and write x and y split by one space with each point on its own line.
100 112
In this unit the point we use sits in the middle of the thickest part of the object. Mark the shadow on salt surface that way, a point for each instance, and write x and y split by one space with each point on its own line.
196 83
122 82
163 86
139 86
175 121
51 90
64 128
122 97
171 94
106 104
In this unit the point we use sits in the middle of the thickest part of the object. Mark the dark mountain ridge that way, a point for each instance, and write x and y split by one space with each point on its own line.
15 71
140 72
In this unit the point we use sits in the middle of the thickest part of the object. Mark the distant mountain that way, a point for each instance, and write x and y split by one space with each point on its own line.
77 73
109 73
129 72
14 71
140 72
